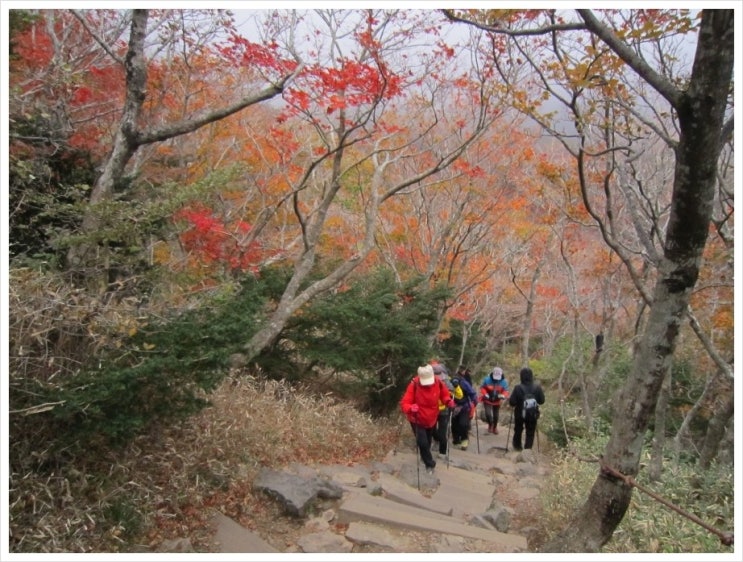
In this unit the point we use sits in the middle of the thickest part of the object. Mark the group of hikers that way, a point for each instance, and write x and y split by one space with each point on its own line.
438 405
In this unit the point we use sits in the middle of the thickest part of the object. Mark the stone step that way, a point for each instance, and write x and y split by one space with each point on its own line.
233 537
397 490
375 509
459 491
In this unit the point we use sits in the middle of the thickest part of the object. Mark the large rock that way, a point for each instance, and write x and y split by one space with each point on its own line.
295 492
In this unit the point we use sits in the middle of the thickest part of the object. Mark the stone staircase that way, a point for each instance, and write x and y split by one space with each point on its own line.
470 497
459 496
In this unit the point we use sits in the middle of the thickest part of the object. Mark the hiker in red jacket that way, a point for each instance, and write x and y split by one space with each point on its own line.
420 404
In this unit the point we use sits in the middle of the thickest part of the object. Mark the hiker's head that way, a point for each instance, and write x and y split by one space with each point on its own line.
440 370
497 374
526 375
455 382
425 375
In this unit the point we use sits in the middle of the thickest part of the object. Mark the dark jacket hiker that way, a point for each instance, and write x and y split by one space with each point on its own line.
525 400
465 399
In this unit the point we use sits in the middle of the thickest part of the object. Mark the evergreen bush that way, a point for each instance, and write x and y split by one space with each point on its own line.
371 337
163 372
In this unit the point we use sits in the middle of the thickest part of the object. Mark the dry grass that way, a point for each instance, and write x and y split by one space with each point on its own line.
163 485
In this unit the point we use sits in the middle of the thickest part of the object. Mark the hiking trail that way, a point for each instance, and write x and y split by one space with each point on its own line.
475 502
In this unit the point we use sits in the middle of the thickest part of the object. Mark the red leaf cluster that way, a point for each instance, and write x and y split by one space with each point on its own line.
212 241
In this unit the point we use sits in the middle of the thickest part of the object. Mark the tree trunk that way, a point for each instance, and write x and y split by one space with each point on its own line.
723 413
528 314
584 380
659 430
701 112
465 337
596 520
125 143
592 382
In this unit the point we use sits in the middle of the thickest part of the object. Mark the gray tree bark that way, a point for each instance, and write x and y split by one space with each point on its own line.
701 112
659 429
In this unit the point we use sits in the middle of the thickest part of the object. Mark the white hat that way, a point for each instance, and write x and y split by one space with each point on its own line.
425 375
497 373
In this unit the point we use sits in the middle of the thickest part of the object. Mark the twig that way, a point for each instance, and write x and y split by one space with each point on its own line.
37 409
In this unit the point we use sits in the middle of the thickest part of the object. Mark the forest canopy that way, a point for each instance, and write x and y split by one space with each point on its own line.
333 197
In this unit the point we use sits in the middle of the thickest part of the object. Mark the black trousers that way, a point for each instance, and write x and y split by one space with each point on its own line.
460 426
423 439
491 413
519 426
441 430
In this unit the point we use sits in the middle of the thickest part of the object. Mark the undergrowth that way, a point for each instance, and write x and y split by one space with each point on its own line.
163 484
648 526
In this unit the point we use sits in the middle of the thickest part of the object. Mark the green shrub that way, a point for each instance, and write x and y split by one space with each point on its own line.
649 526
164 371
373 335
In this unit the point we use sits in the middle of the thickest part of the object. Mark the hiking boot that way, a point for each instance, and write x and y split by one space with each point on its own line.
429 469
464 444
495 430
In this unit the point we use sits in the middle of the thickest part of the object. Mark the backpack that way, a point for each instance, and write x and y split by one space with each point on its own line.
530 409
447 382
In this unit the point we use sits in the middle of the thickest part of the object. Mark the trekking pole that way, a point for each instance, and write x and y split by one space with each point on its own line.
508 437
477 431
448 444
418 462
417 452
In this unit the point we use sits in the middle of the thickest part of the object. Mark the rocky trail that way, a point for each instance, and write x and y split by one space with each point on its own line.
473 502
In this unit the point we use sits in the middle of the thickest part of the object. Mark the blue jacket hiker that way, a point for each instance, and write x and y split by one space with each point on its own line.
493 390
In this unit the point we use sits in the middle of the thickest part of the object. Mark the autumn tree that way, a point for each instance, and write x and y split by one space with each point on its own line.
444 234
701 112
132 132
347 149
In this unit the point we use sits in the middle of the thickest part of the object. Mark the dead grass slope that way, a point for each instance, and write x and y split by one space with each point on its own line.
163 484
